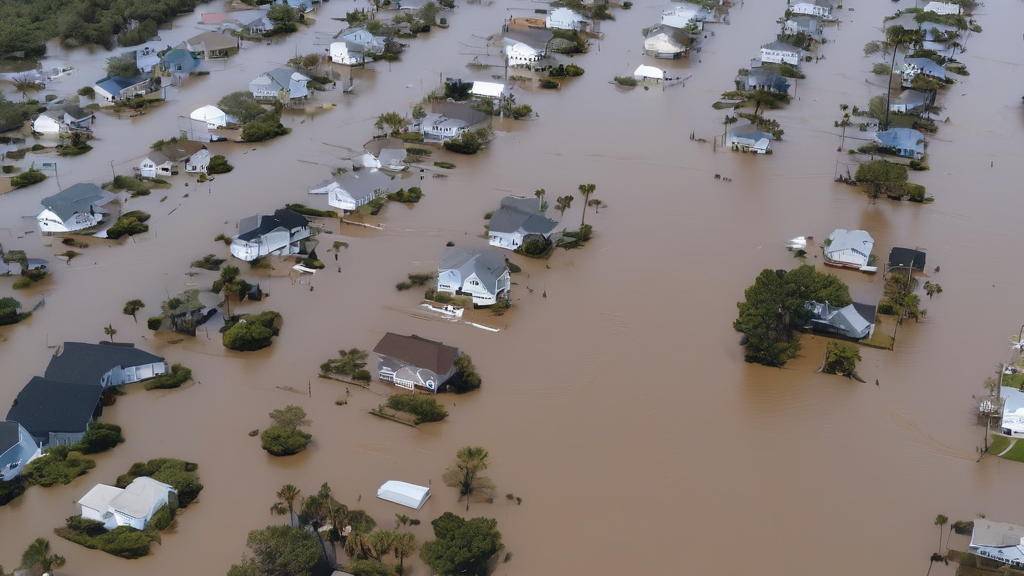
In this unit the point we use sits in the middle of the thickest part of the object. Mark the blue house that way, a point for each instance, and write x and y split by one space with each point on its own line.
179 62
905 142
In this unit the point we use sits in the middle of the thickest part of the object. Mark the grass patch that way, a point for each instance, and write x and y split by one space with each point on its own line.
209 262
418 151
410 136
445 165
307 211
1016 453
424 408
999 443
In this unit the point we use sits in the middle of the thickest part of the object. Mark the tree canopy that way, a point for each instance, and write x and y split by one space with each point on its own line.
461 546
774 302
279 551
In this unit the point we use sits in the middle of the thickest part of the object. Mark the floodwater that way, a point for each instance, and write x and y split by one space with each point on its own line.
618 408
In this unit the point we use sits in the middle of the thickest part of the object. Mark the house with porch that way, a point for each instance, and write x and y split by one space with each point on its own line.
262 235
1012 422
156 164
415 363
17 448
117 88
55 412
198 162
780 52
515 220
666 42
481 274
351 190
905 142
819 8
77 207
761 79
133 505
809 25
748 138
450 120
998 541
283 84
849 249
855 321
109 365
356 45
211 45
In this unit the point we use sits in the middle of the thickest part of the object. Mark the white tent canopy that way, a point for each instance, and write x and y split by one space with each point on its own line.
645 71
488 89
213 116
403 493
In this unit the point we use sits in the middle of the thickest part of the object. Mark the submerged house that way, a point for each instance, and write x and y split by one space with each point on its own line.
566 19
263 235
515 220
780 52
761 79
164 162
914 66
809 25
905 260
109 365
113 88
414 363
77 207
356 46
133 505
482 274
855 321
911 101
179 62
819 8
408 495
648 73
198 162
942 8
17 448
350 191
211 45
849 249
666 42
213 117
283 84
998 541
905 142
55 412
681 17
748 138
62 118
449 121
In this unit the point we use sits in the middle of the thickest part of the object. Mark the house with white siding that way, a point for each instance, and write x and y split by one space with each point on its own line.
481 274
819 8
780 52
354 189
849 249
283 84
262 235
415 363
515 220
133 505
77 207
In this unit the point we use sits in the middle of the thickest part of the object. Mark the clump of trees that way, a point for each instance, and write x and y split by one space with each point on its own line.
284 438
469 142
129 224
461 546
250 332
900 298
774 306
466 377
563 71
410 196
415 279
181 475
58 465
219 165
841 359
28 178
122 66
181 311
390 123
9 311
279 551
349 364
258 122
37 558
424 408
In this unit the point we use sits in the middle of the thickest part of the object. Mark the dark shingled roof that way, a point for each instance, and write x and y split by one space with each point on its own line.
282 218
9 436
866 311
45 406
82 363
907 258
515 213
77 198
419 352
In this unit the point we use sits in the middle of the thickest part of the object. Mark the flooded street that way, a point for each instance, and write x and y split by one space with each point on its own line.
619 407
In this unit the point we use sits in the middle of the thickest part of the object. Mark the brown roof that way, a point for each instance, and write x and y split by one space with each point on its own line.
181 149
419 352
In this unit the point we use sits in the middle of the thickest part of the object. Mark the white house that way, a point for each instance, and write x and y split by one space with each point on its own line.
666 42
263 235
942 8
358 43
132 506
819 8
156 164
849 249
17 448
282 84
520 55
349 53
415 363
680 18
482 274
998 541
515 219
77 207
566 19
438 127
487 89
46 125
645 72
354 189
1012 423
748 138
198 162
777 52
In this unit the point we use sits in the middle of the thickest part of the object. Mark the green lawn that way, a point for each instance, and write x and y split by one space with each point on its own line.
1016 453
999 443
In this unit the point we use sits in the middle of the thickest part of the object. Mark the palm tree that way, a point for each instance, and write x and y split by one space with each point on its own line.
358 546
597 204
728 120
844 123
38 554
540 196
382 542
25 85
941 521
133 306
336 513
230 283
586 190
110 331
404 546
288 495
897 37
465 473
562 203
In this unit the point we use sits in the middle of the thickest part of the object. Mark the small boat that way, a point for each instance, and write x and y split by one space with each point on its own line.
447 310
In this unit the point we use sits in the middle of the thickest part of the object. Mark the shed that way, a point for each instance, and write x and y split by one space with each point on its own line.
645 72
487 89
409 495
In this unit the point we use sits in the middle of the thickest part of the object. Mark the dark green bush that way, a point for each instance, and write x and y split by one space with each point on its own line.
219 165
99 437
129 224
626 81
87 91
307 211
281 441
154 322
9 490
161 519
467 143
59 465
410 196
548 84
27 178
424 408
251 332
177 376
178 473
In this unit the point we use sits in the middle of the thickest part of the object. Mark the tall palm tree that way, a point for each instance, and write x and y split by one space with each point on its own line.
540 197
336 513
586 190
844 123
562 203
38 554
897 38
359 547
465 473
940 521
288 495
383 542
404 546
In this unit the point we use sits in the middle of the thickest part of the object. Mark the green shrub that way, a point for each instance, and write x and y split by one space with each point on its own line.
99 437
307 211
626 81
87 91
467 143
424 408
548 84
219 165
403 286
370 567
887 308
376 205
466 377
281 441
445 165
208 262
154 322
410 196
9 490
916 192
254 433
8 169
251 332
313 263
563 71
123 541
418 151
263 128
27 178
21 283
161 519
59 465
129 224
174 379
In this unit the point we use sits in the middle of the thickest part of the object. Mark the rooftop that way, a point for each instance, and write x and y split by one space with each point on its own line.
76 199
419 352
45 406
82 363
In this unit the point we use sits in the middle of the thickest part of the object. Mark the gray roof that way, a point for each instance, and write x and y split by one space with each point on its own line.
44 406
419 352
115 84
365 183
82 363
10 436
781 46
927 66
520 214
807 23
858 240
76 199
488 264
461 111
759 77
996 534
72 110
389 156
252 227
902 139
749 131
536 38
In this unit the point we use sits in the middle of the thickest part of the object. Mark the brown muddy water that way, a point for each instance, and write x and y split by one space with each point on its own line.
619 407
